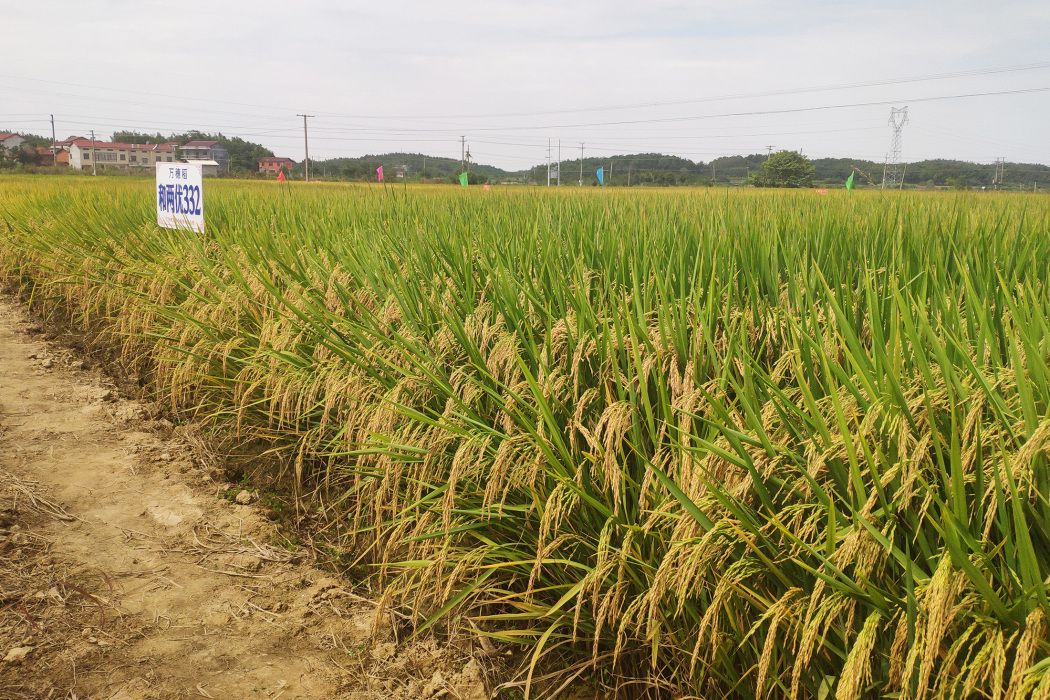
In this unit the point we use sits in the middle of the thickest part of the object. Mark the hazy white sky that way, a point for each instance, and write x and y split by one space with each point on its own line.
414 76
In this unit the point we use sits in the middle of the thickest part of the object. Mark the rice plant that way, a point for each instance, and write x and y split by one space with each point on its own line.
712 443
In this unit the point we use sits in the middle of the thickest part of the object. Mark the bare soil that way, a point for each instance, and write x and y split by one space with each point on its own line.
127 570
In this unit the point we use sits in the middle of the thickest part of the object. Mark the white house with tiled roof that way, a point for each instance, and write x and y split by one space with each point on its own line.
109 155
200 151
10 142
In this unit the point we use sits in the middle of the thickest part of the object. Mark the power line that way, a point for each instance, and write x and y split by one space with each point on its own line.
720 115
716 98
183 100
140 92
425 135
760 112
182 105
766 112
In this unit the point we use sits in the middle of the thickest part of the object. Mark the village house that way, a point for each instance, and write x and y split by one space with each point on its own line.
47 156
274 164
203 151
10 142
103 155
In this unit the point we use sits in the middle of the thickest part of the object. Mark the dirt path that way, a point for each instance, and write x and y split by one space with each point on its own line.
155 585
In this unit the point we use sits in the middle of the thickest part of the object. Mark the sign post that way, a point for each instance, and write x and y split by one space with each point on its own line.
180 196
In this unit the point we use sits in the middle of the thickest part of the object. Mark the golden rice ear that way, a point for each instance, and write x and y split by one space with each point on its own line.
783 611
1021 673
856 672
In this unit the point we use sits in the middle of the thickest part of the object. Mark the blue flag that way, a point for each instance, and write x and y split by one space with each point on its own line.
601 176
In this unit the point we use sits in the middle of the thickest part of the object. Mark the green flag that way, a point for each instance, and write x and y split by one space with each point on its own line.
463 179
849 182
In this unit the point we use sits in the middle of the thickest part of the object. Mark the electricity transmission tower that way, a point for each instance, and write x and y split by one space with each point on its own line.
1000 168
893 171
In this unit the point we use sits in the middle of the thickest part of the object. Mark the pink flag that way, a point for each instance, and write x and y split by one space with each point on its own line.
280 176
380 171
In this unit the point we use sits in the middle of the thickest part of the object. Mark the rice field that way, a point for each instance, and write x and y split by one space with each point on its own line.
706 443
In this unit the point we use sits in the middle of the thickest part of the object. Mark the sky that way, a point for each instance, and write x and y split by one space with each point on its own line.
695 79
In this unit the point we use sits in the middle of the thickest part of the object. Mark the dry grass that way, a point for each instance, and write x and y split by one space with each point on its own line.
61 613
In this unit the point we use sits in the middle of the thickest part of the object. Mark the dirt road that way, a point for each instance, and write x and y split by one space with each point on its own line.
127 571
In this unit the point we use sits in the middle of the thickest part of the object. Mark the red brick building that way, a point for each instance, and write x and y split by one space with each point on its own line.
274 164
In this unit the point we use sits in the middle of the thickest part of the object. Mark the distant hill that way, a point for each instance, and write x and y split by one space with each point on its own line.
654 169
637 169
364 168
939 173
659 170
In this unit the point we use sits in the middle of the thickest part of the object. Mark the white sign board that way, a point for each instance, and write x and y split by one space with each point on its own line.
180 196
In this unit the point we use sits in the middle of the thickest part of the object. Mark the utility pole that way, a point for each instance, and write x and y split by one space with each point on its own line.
611 161
462 154
1000 167
629 166
306 145
94 156
54 148
581 165
769 152
548 161
559 162
894 177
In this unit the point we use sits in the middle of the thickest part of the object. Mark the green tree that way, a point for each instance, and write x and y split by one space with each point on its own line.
139 137
28 156
473 178
785 169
